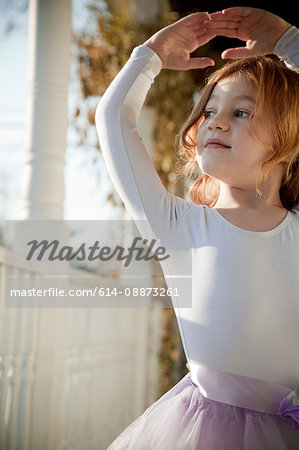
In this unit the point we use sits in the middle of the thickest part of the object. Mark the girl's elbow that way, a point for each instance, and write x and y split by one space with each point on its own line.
106 111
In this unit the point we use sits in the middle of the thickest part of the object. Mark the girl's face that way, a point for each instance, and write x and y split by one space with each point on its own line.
225 148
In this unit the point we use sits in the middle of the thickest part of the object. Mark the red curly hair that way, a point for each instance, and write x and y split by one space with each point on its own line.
275 124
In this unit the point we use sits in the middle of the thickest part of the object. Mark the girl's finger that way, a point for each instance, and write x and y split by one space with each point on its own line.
237 11
216 26
227 32
205 37
195 18
237 52
199 63
220 17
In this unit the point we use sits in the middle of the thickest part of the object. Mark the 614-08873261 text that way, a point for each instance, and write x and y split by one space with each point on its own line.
97 291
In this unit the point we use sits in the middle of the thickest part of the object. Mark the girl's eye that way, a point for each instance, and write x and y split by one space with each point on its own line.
242 114
208 113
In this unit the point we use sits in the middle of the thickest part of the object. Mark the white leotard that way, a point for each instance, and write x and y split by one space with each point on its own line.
244 317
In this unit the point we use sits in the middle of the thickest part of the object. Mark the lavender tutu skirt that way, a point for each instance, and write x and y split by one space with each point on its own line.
212 410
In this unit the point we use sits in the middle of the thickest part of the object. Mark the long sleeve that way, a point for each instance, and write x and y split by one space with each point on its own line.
129 165
287 48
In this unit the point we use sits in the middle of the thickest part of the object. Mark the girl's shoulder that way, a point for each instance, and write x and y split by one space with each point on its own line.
295 218
213 220
295 211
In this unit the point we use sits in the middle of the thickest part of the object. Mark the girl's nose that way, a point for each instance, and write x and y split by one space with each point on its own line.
219 121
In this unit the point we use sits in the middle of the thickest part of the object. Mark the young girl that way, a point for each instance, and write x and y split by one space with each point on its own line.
241 330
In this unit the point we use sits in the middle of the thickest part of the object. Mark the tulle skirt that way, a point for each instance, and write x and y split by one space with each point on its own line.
188 417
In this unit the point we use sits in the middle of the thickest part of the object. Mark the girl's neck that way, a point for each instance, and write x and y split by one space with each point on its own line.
254 222
259 206
245 209
231 197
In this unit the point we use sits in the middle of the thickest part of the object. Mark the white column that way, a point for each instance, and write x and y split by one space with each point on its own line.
47 108
43 197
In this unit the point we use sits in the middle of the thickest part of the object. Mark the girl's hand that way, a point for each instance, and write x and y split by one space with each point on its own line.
260 29
175 42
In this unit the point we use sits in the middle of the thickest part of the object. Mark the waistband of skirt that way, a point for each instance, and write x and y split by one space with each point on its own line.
238 390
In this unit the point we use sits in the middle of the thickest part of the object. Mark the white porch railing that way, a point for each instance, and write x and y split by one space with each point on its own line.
73 378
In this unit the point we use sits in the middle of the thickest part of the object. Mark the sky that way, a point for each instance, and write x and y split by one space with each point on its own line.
86 178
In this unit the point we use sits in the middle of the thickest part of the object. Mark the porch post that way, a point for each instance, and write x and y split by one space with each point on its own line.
47 109
48 75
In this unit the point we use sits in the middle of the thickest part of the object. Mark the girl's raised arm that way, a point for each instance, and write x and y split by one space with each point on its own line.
128 163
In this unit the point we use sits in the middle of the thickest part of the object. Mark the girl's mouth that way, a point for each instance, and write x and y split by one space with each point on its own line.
215 143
